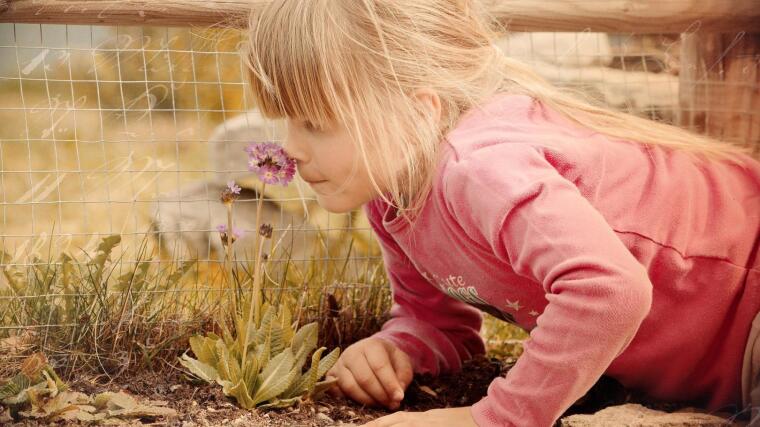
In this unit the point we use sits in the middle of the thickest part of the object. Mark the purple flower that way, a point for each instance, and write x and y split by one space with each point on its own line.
233 188
230 193
223 233
269 161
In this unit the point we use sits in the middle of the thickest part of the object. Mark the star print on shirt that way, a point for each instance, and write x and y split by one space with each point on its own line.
514 305
533 313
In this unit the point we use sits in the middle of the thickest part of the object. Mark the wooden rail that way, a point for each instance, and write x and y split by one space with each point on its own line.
639 16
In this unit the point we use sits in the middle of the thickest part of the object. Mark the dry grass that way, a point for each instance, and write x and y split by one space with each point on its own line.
95 137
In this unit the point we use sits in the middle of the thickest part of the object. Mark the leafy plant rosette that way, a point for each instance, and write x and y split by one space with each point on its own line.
263 364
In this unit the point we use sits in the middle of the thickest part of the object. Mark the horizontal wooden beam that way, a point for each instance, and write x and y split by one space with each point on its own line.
227 13
629 16
639 16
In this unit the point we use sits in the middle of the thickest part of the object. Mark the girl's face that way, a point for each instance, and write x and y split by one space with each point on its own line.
326 159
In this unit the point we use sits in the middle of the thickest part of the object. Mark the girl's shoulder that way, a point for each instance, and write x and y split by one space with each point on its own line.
508 118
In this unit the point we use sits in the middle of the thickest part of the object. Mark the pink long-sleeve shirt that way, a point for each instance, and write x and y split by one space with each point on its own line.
636 262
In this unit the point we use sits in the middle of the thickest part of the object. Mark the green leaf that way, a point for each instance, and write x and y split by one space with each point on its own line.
27 394
199 369
302 384
225 367
307 382
278 343
203 348
280 403
314 370
240 392
133 280
245 330
103 253
328 362
251 371
265 329
276 377
264 352
14 386
173 278
306 337
322 386
286 322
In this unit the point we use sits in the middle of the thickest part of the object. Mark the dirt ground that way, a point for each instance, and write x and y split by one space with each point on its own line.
205 405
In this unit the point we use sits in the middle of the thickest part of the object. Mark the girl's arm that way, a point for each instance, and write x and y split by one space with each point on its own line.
515 201
436 331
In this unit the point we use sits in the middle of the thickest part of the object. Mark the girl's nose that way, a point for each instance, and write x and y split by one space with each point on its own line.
294 149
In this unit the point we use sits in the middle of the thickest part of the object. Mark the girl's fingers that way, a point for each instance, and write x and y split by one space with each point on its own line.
381 365
366 379
335 389
402 366
333 373
351 388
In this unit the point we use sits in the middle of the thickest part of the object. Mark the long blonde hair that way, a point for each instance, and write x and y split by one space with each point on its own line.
358 62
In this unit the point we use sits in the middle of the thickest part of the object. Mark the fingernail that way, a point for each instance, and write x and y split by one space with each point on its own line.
398 395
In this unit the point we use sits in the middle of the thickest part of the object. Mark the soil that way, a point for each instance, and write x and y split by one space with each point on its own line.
205 405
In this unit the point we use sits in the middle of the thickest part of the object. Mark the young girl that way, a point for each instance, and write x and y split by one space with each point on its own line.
626 247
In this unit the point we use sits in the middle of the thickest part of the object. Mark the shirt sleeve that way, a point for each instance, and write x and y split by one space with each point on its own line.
435 330
538 222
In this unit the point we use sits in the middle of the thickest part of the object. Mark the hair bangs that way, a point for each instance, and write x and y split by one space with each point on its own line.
293 64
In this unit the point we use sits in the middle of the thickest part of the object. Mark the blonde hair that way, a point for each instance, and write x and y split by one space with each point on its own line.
359 62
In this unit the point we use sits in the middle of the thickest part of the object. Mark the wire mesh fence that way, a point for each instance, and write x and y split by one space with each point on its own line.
134 131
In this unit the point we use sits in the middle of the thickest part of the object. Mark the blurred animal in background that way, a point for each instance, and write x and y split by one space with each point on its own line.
184 221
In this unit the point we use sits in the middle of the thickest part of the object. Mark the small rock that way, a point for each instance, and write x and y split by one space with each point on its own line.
428 390
242 421
324 417
635 415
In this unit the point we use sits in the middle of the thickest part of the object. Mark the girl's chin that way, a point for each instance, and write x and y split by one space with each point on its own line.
336 203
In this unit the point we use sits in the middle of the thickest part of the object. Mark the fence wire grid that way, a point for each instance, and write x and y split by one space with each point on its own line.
134 131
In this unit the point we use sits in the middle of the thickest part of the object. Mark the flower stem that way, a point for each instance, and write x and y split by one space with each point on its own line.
254 309
228 246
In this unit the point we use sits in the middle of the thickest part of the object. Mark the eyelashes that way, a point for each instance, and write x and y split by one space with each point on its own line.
311 127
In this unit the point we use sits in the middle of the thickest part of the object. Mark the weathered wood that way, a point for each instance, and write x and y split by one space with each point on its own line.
640 16
720 86
228 13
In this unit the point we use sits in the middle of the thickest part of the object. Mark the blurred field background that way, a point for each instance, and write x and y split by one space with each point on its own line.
98 122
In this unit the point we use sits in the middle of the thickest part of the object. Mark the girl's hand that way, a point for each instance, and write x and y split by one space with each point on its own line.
372 372
449 417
